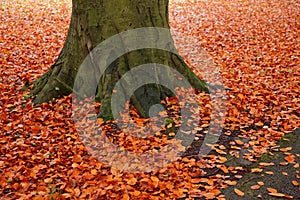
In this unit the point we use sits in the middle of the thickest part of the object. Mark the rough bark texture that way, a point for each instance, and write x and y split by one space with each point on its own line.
94 21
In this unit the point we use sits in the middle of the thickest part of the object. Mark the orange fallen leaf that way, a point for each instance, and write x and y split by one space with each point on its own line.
276 194
195 180
126 197
259 123
290 158
285 149
144 180
132 181
255 187
77 192
74 165
220 151
209 195
212 194
136 193
154 179
272 190
224 169
295 183
94 172
239 142
239 192
172 134
288 197
231 183
210 182
180 193
100 121
266 164
241 96
256 170
215 191
48 180
67 195
260 183
283 163
170 125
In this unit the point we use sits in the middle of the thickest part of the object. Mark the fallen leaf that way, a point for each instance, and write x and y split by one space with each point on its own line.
241 96
94 172
269 172
132 181
272 190
126 197
239 192
295 183
154 179
239 142
256 170
260 183
277 194
290 158
48 180
255 187
285 149
284 163
136 193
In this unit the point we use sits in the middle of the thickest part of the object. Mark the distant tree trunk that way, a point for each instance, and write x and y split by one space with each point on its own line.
94 21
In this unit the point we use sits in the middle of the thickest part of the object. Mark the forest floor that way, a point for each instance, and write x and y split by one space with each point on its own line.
255 49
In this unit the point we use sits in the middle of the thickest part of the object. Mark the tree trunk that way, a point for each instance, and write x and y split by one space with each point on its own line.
94 21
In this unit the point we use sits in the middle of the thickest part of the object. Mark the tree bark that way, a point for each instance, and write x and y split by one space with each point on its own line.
94 21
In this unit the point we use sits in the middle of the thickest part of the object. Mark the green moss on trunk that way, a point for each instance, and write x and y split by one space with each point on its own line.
94 21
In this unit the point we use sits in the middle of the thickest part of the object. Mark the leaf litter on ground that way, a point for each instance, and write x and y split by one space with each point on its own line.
253 44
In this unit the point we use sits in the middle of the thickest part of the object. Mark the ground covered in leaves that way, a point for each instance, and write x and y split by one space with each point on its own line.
254 44
273 174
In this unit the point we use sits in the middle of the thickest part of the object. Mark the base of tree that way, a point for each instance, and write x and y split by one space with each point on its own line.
88 28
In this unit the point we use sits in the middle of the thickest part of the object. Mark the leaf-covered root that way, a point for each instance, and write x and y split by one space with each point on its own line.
39 84
53 88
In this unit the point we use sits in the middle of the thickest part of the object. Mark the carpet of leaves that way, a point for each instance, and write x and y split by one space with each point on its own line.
256 46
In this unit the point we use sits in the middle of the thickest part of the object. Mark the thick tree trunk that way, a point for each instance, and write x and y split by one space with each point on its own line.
94 21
